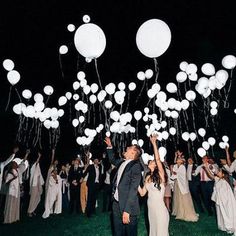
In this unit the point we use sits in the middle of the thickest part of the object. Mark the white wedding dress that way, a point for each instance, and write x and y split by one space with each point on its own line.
157 212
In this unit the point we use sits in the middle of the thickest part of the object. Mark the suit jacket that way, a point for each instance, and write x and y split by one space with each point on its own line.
75 175
92 175
128 184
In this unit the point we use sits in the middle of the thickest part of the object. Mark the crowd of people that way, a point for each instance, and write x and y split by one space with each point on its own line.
182 189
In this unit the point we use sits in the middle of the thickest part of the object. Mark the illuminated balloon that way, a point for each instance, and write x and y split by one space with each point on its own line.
68 95
108 104
137 115
225 139
94 88
92 98
185 136
63 49
90 40
184 104
213 111
121 86
86 19
172 131
153 38
132 86
213 104
193 77
71 27
191 69
148 74
229 62
76 85
190 95
192 136
62 101
75 122
13 77
27 94
48 90
201 152
206 145
171 88
181 77
162 152
202 132
38 97
183 65
208 69
222 76
141 75
8 64
211 141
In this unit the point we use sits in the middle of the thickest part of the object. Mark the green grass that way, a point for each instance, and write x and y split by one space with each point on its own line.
99 225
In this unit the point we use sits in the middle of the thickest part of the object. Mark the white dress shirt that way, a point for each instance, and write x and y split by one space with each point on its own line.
97 173
189 172
231 168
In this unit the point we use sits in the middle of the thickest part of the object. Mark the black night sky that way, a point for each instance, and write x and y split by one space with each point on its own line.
31 33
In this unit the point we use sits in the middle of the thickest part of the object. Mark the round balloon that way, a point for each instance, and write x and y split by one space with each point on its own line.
90 40
153 38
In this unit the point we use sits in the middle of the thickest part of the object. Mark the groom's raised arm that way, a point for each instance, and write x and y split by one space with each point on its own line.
116 162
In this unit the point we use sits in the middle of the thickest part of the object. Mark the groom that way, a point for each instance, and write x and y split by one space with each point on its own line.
125 204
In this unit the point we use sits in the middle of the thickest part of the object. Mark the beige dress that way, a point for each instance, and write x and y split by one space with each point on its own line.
158 214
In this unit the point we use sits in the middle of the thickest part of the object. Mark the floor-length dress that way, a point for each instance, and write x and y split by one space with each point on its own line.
157 212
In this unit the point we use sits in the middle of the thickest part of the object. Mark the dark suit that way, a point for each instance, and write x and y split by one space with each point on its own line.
127 194
93 188
75 175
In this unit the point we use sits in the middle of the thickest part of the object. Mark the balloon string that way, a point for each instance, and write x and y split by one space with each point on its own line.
18 95
226 103
127 108
140 93
9 98
60 63
96 67
156 69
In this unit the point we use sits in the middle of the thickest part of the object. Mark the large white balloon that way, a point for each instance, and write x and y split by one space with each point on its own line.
171 88
38 97
94 88
181 77
141 75
201 152
192 136
190 95
185 136
153 38
162 152
172 130
48 90
62 101
148 74
27 94
137 115
13 77
191 69
90 40
206 145
183 65
75 122
202 132
132 86
211 141
229 62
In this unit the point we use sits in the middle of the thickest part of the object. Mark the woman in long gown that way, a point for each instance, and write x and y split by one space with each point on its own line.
183 208
158 214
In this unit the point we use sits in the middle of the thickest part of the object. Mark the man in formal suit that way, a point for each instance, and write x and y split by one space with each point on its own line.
194 184
125 206
74 178
94 180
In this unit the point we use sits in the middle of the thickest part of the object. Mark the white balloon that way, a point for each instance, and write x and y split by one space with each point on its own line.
76 96
8 64
168 113
156 87
213 104
191 69
148 74
13 77
165 135
81 75
48 90
68 95
185 136
71 28
222 76
81 119
161 96
171 88
90 40
94 88
151 93
190 95
229 62
192 136
137 115
83 83
61 112
141 75
171 103
184 104
63 49
86 89
108 134
119 97
75 122
203 82
153 38
135 142
206 145
54 124
163 124
38 97
213 111
225 139
115 115
86 19
201 152
202 132
108 104
162 152
172 131
208 69
211 141
39 106
223 145
92 98
140 142
183 65
121 86
146 110
212 83
174 114
132 86
76 85
181 77
110 88
27 94
62 101
193 77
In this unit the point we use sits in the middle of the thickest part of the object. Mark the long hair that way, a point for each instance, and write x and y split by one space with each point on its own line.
155 177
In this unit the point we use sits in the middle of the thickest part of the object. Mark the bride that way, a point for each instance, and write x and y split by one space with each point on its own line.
158 214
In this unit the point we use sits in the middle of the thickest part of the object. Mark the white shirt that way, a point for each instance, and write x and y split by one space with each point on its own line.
189 172
97 173
119 174
203 174
231 168
108 179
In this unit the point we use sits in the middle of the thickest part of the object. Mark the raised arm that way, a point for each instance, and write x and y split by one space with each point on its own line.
39 156
26 154
143 190
153 140
110 153
9 159
210 175
53 156
228 156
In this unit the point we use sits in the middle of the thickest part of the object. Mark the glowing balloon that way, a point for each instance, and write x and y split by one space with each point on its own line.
202 132
211 141
86 19
184 104
92 98
162 152
171 88
75 122
148 74
48 90
137 115
193 77
8 64
183 65
190 95
201 152
213 111
90 40
192 136
76 85
206 145
185 136
181 77
213 104
94 88
229 62
68 95
172 131
108 104
27 94
141 75
140 142
208 69
132 86
81 119
225 139
222 76
121 86
191 69
38 97
13 77
62 101
63 49
153 38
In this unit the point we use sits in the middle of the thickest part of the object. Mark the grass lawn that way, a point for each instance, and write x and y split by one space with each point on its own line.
99 225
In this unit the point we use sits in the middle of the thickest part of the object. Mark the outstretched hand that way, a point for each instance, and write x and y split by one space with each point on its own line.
108 142
15 150
153 139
